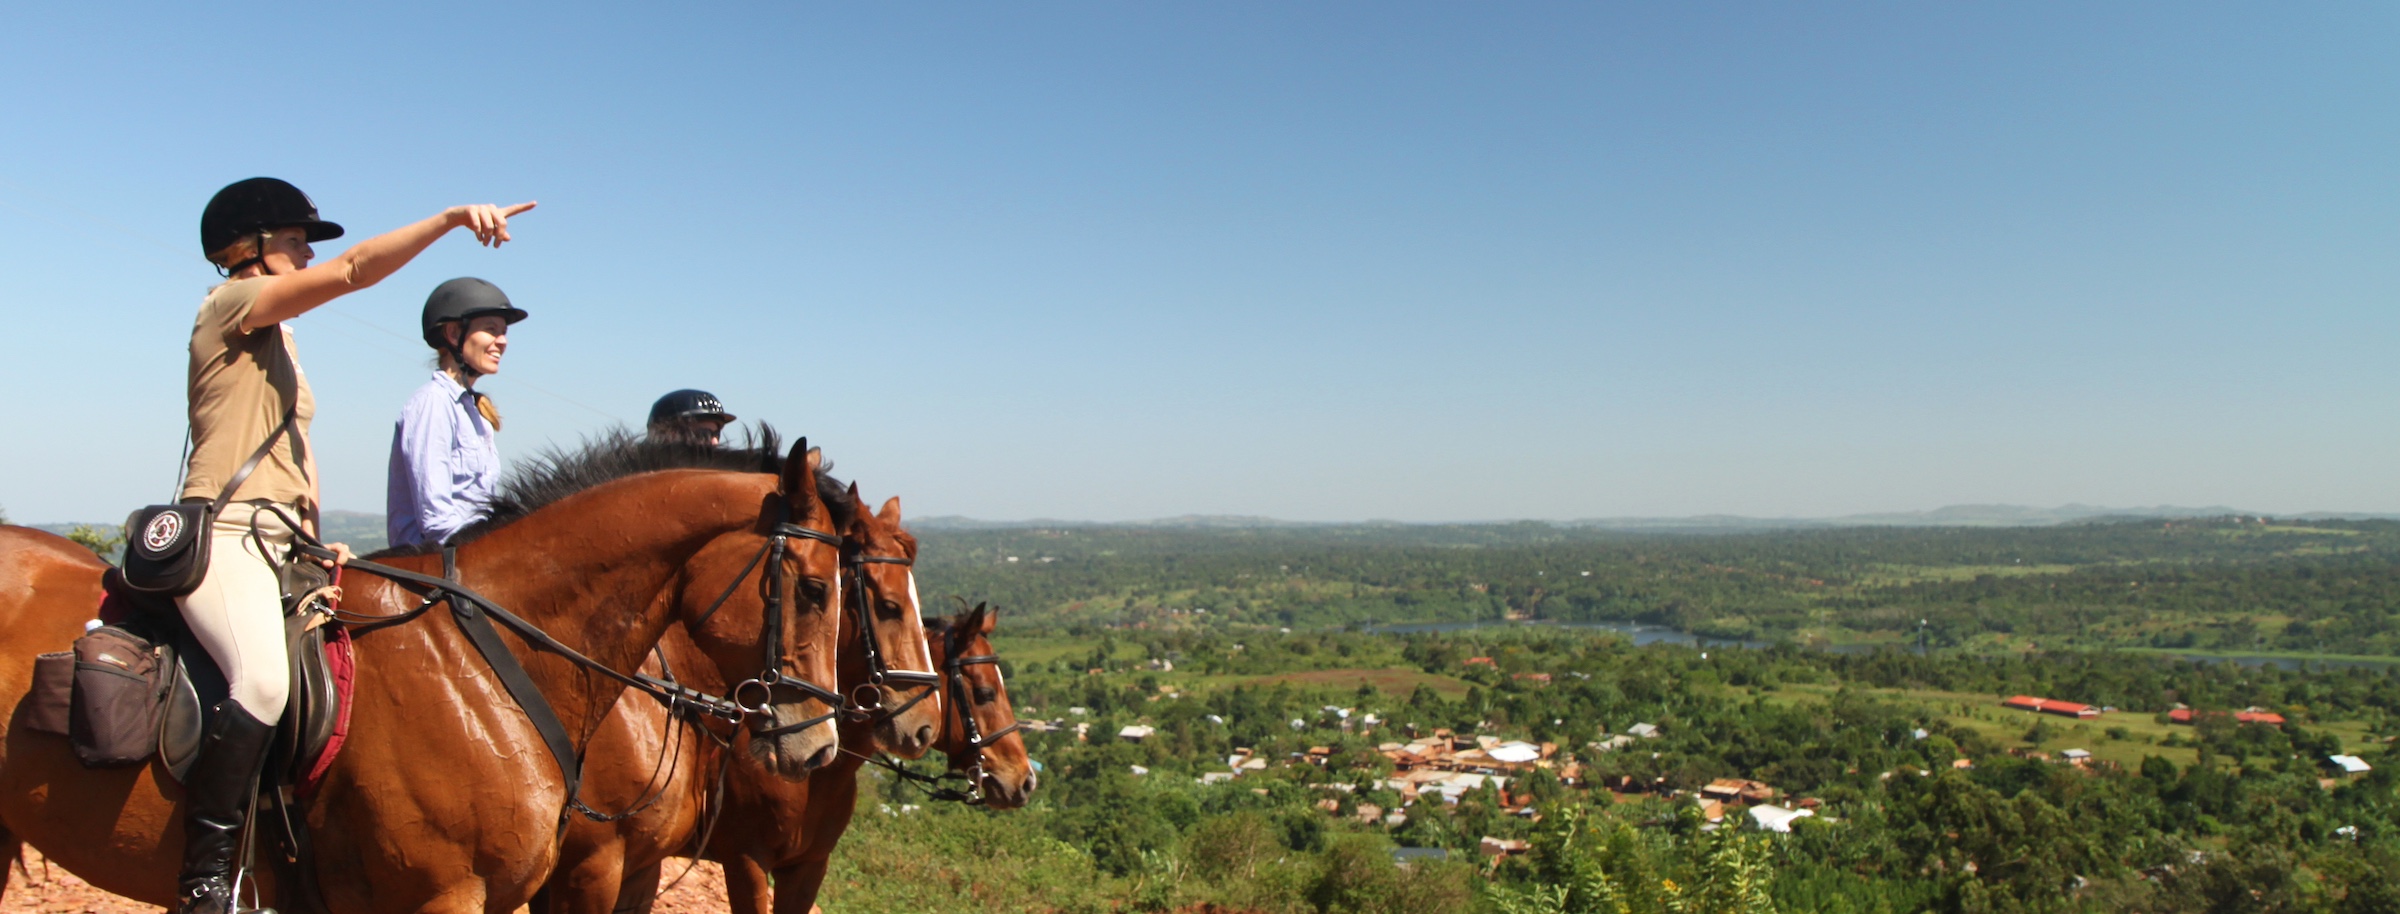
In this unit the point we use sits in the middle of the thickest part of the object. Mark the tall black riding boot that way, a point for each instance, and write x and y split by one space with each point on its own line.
216 801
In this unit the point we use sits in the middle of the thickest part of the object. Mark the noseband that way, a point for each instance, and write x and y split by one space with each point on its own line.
867 699
772 679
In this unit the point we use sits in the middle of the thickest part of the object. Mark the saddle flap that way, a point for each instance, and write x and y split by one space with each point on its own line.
179 729
313 717
314 709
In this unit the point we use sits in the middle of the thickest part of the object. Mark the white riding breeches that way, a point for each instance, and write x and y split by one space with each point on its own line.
237 611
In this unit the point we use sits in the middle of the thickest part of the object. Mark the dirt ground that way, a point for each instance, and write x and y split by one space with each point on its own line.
37 888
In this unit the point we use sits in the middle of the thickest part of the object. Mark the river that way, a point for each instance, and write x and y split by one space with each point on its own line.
1654 634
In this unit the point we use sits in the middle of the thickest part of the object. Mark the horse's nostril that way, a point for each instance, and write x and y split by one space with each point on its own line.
925 736
821 758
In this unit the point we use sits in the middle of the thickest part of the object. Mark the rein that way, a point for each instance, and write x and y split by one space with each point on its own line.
675 694
476 614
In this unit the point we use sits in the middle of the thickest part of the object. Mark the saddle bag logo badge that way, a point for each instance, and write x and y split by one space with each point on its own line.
162 531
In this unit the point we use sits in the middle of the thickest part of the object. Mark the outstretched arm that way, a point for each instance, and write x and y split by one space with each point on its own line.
366 263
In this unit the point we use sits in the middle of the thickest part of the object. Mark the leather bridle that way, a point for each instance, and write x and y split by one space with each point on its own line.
962 692
866 699
771 679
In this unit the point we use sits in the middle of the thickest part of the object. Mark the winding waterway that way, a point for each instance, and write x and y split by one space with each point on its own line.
1641 635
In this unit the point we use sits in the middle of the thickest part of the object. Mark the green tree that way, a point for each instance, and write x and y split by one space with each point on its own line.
1231 848
1735 869
105 542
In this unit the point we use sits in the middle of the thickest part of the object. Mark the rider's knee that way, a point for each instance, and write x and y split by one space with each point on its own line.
263 696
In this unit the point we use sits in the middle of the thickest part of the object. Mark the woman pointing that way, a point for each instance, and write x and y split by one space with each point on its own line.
246 390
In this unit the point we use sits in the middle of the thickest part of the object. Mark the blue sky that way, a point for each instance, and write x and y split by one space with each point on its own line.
1312 261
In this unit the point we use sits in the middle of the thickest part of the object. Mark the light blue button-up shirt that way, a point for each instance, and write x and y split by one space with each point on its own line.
445 465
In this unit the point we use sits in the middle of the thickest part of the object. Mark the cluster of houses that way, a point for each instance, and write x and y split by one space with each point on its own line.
2180 714
1452 765
2183 715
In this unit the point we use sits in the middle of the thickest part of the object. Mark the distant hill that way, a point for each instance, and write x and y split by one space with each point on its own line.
1186 522
1951 516
364 530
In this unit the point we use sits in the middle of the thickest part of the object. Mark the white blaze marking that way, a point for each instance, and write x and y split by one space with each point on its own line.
924 653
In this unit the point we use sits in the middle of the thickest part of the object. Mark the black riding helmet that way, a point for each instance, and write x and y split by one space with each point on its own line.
463 299
257 206
688 404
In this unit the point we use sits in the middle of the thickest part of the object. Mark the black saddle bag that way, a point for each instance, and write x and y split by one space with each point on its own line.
166 546
167 551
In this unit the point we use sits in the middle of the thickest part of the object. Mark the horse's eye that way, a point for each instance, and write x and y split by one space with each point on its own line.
891 608
985 695
815 588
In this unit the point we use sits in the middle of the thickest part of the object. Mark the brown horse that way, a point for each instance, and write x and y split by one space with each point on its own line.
445 798
656 770
991 756
616 865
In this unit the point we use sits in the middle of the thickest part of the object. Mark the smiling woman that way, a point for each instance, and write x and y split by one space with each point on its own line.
445 459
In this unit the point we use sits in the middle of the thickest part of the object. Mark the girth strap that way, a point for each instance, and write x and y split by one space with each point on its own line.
477 624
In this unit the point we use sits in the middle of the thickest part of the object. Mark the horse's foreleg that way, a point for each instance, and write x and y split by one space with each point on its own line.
587 885
640 890
12 854
746 886
796 886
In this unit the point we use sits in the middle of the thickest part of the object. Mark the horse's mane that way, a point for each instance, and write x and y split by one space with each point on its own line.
552 474
938 627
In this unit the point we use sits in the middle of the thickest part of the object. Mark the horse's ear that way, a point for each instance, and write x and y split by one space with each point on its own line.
891 511
800 472
986 618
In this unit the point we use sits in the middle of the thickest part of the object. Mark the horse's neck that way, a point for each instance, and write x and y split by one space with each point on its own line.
850 653
593 570
953 738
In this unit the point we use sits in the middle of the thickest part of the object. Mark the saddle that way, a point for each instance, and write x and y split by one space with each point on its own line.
187 683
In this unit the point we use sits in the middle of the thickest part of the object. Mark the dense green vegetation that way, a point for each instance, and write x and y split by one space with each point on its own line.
2217 817
2224 586
1240 638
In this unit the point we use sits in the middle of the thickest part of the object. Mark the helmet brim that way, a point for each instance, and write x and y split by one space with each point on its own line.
321 230
511 314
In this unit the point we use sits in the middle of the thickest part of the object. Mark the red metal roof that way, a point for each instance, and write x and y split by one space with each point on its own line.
2049 705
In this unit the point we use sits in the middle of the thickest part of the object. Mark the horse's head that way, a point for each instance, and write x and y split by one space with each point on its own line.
979 728
761 603
887 667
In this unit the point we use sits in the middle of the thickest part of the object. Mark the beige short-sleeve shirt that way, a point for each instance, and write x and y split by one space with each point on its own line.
240 385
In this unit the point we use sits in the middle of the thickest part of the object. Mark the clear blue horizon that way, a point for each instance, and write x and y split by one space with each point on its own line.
1334 262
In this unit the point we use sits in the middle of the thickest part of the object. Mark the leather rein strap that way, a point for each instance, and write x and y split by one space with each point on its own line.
476 614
